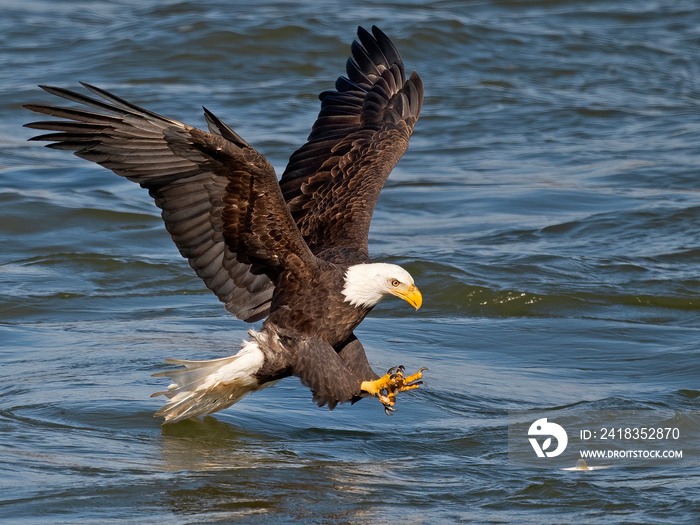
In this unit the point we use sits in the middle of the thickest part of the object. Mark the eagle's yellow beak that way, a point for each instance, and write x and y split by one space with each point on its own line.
410 294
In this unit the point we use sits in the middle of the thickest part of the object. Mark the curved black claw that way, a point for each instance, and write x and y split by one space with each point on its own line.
396 370
389 410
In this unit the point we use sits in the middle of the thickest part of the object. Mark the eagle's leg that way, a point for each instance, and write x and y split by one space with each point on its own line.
385 388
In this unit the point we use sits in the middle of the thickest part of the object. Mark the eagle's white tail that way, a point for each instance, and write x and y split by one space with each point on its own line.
203 387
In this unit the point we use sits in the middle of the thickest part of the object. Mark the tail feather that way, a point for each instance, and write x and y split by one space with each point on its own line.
203 387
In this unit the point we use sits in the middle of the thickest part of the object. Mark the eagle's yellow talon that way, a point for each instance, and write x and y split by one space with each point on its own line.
385 388
415 377
376 387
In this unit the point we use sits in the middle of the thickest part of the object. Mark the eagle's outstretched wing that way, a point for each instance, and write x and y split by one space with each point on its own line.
332 182
220 198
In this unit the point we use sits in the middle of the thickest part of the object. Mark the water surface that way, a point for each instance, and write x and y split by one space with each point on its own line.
548 207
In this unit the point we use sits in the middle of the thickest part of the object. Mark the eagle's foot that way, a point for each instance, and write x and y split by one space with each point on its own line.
394 381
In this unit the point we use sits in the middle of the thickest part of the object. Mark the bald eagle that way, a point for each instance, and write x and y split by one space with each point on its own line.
294 251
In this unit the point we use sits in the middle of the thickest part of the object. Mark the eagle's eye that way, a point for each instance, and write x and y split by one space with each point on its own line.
395 282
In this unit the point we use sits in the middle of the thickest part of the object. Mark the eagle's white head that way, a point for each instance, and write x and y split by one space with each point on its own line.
367 284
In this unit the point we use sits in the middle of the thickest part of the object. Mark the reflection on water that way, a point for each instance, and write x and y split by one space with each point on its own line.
210 444
235 472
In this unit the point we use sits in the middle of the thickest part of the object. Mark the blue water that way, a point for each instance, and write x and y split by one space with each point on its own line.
548 208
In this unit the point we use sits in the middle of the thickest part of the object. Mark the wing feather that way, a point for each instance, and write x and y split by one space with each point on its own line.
332 182
220 199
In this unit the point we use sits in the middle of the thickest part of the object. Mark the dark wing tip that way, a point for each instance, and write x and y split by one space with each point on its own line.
416 92
371 55
31 107
218 127
390 52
